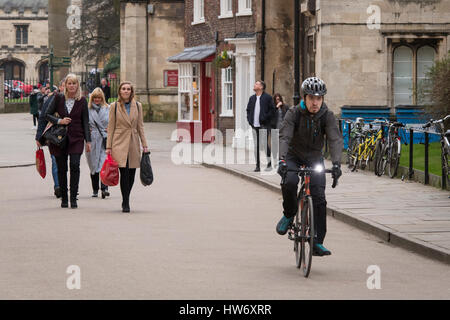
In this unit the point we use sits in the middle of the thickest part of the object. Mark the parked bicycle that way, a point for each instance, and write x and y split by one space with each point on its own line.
445 146
390 151
363 147
355 138
302 230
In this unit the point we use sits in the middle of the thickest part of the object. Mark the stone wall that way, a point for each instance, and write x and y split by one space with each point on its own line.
147 40
29 54
166 38
279 48
356 61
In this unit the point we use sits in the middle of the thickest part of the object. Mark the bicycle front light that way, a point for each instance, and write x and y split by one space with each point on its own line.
318 168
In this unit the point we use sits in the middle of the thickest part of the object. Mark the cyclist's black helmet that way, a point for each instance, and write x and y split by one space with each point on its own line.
314 86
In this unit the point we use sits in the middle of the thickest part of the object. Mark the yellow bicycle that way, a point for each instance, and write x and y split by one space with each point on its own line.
363 148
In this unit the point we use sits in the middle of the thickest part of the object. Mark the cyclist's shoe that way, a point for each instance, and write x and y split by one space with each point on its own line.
320 250
283 225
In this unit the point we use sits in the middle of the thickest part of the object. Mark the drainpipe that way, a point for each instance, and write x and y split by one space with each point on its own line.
263 38
147 90
296 97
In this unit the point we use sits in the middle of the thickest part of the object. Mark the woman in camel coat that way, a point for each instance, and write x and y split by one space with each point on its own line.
125 136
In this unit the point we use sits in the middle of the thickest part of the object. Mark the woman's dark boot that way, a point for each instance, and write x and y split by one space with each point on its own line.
126 205
73 200
64 198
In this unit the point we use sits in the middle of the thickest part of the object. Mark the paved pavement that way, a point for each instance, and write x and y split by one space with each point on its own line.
196 233
404 213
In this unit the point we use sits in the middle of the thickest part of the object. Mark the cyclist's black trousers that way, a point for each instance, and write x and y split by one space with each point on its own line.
289 188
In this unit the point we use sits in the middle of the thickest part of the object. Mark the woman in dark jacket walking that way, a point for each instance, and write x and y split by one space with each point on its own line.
281 109
71 110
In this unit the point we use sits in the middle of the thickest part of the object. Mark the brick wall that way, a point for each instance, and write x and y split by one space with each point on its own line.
204 33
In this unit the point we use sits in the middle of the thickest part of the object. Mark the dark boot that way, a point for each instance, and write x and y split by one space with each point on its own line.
73 200
64 200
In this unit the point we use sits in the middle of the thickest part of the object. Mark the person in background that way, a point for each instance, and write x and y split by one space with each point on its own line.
98 124
260 111
281 109
42 123
106 89
34 109
125 129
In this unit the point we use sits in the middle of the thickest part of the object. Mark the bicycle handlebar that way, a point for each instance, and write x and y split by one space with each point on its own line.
309 170
429 123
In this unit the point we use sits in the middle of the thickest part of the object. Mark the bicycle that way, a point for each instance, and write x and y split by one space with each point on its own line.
390 152
352 143
302 230
445 146
363 149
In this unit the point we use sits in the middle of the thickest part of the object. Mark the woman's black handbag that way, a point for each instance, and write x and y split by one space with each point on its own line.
146 173
103 138
56 135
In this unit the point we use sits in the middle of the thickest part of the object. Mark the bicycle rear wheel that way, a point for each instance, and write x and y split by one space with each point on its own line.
307 235
394 158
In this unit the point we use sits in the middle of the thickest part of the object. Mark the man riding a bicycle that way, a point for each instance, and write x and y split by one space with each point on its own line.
302 137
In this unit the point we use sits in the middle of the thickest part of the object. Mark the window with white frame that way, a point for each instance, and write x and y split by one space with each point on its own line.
410 64
245 8
227 92
226 9
199 11
189 91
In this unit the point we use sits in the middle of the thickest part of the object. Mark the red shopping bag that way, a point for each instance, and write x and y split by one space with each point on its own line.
40 163
110 172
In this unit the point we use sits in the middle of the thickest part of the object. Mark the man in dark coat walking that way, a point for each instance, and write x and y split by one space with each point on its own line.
106 90
260 112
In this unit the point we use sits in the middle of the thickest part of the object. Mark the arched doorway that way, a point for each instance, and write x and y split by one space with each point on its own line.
14 70
43 72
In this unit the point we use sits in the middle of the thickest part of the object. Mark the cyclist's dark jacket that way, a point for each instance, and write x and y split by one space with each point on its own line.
302 134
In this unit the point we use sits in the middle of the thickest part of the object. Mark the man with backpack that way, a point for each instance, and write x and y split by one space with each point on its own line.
302 137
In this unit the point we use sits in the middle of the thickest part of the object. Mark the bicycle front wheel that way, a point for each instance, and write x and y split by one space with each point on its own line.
445 167
297 229
307 233
377 157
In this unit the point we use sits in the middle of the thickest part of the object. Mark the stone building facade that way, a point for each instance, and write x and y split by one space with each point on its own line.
375 53
24 40
369 53
151 31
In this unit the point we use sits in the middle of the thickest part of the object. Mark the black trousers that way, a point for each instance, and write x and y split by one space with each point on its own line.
265 134
289 189
95 179
35 119
74 164
126 183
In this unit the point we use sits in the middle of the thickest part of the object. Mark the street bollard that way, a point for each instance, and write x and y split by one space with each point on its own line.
411 144
427 176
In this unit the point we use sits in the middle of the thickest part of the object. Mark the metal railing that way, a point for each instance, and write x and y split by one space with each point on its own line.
346 125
